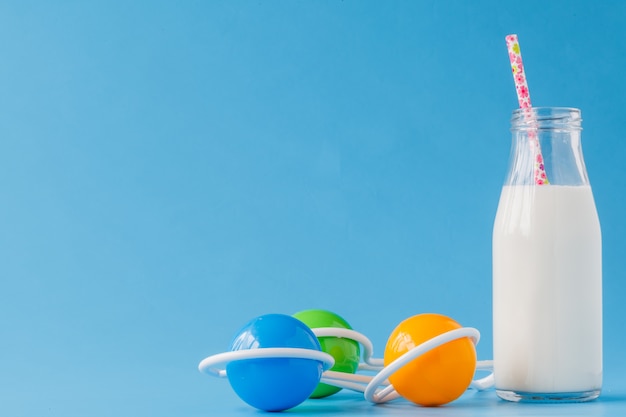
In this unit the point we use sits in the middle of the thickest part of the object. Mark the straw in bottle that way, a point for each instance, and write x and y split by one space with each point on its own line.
523 97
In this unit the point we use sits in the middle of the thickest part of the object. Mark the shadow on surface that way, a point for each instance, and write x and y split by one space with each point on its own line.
469 405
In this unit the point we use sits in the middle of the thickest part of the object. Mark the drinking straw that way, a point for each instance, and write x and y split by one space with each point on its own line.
523 97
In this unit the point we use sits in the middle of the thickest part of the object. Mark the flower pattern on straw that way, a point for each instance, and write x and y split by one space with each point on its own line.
523 97
521 85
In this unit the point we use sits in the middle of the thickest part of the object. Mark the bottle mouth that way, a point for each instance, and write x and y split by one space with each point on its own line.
546 118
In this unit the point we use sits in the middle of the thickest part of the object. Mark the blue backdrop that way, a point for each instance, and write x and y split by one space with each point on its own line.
170 170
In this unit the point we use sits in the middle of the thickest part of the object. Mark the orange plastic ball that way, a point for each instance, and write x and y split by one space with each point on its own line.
440 375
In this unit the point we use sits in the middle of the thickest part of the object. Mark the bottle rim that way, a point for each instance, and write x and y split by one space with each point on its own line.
546 118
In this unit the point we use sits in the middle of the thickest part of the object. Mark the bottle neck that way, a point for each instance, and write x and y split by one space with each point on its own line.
546 147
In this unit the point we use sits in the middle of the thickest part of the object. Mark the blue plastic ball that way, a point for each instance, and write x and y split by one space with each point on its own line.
274 384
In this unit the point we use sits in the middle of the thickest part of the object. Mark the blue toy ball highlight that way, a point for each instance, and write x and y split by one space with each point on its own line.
274 384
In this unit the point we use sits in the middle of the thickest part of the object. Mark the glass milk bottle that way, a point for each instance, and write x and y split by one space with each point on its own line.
547 265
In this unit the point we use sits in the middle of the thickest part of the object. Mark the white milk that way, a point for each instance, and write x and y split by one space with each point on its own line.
547 290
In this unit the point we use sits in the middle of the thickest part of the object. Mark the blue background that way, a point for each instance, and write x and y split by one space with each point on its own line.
170 170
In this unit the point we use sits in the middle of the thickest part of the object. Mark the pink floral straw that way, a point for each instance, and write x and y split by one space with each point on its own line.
523 96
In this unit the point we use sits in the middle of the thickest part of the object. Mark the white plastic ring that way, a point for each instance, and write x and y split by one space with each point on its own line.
369 363
214 365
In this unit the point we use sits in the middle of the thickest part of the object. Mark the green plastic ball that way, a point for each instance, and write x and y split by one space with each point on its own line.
345 351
